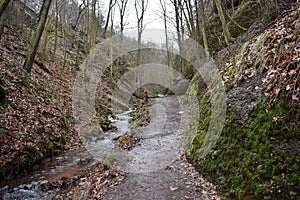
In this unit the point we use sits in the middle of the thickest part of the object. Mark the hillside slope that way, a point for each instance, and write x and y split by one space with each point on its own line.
258 153
36 119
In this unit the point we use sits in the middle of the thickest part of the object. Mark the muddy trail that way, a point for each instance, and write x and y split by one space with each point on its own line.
155 168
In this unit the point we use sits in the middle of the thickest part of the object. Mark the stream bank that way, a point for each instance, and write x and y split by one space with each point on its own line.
52 174
154 169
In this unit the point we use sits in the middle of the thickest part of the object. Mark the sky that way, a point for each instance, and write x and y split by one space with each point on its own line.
153 19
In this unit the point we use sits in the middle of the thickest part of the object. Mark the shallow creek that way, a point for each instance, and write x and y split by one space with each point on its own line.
66 164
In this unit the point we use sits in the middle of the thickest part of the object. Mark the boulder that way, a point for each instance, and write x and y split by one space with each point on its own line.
180 86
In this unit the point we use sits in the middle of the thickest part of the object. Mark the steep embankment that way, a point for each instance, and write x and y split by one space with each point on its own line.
258 153
36 119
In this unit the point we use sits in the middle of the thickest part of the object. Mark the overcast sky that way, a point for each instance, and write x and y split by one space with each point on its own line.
153 19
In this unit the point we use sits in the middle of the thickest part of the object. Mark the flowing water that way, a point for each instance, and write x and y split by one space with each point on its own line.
67 164
154 168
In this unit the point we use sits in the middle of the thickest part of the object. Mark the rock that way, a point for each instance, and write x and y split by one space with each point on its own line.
35 184
180 86
21 194
45 185
27 186
60 159
116 136
4 190
259 167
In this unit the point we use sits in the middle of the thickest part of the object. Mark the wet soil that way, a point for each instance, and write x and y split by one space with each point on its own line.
156 168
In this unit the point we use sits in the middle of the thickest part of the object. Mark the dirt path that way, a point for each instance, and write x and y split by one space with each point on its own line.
155 167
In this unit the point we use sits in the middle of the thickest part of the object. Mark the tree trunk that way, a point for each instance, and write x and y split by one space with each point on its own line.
111 42
197 20
122 9
178 20
142 6
94 27
140 17
45 41
202 25
87 28
4 6
190 21
223 21
37 36
111 4
2 9
80 11
164 8
56 29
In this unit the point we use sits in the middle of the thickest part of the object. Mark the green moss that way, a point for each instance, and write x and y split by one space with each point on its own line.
232 71
198 128
105 124
123 137
29 157
193 92
107 162
248 156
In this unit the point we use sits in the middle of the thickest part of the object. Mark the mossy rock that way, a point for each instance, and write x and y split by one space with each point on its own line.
247 155
180 87
105 124
197 134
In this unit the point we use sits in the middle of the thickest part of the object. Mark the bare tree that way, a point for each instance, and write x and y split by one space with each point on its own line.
140 9
2 9
111 5
223 21
111 41
189 18
94 24
81 9
56 29
87 26
202 22
37 36
122 4
164 9
178 8
4 6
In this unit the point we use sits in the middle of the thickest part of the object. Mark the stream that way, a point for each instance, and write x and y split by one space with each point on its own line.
67 164
155 168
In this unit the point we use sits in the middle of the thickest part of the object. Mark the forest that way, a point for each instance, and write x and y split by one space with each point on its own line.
149 99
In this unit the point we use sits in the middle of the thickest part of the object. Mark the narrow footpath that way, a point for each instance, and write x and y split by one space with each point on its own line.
156 168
